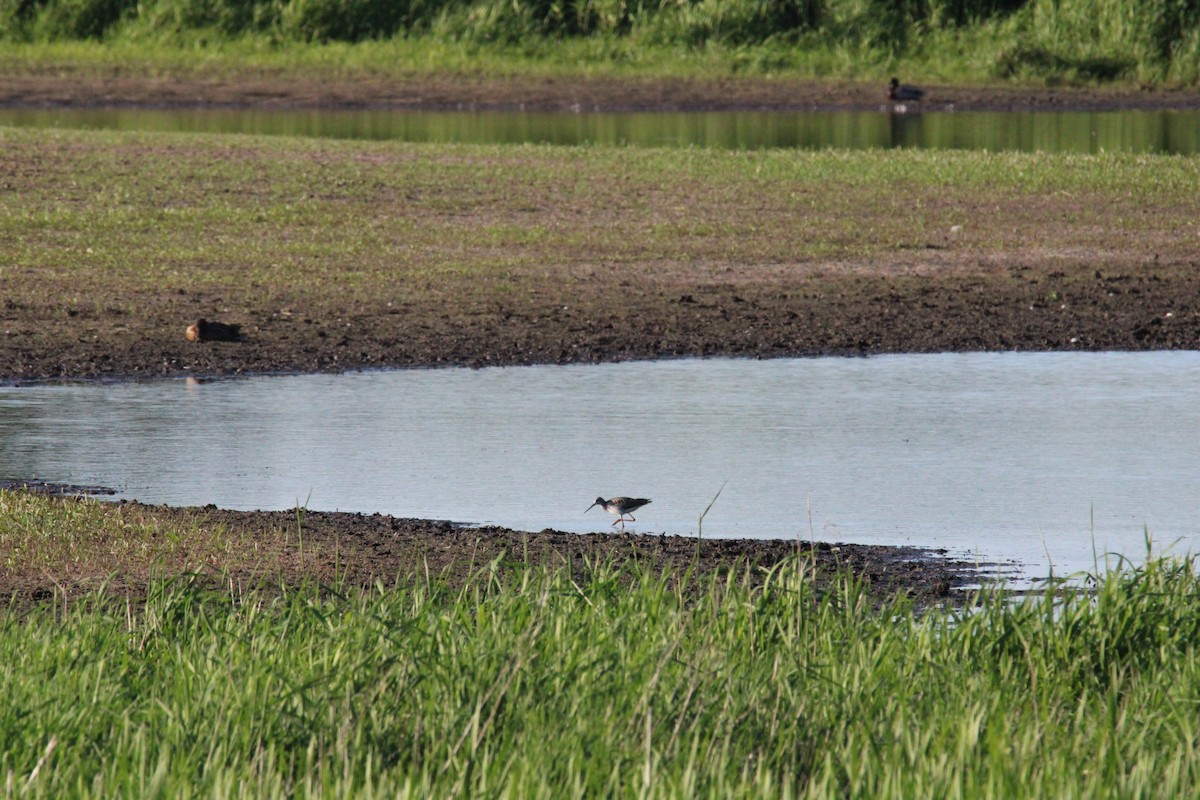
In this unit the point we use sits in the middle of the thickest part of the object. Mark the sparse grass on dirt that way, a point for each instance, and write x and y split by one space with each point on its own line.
68 547
339 254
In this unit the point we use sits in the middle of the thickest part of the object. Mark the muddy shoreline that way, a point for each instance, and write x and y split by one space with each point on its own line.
1145 307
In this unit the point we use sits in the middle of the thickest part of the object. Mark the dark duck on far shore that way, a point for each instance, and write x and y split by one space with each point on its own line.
903 91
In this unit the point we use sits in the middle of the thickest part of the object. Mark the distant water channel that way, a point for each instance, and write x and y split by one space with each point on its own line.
1035 458
1155 131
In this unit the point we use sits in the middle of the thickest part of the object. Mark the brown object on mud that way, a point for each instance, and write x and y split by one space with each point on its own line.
205 331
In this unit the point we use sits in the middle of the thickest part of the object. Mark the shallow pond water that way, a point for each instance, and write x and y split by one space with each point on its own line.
1038 458
1157 131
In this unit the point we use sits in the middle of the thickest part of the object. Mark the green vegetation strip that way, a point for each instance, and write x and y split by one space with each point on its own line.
96 220
531 682
1154 41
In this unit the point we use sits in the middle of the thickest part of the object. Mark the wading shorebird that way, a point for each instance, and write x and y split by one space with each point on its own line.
619 506
903 91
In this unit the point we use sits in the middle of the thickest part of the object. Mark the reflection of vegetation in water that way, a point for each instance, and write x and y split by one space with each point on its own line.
1173 132
1146 40
599 681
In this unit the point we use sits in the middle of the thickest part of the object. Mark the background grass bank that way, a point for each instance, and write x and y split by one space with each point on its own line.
1146 41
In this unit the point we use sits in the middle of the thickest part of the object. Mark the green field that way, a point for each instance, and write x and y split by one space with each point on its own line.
96 220
534 682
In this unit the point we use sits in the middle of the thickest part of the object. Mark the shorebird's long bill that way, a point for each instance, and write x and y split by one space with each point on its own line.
589 508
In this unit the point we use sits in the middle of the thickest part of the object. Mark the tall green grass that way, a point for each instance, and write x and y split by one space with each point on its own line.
542 684
1078 40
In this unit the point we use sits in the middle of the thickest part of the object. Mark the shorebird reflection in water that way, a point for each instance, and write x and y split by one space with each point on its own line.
619 506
